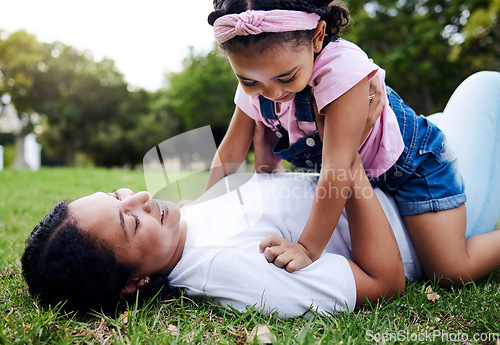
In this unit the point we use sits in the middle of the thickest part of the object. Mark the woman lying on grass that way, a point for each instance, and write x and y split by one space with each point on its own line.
101 249
106 246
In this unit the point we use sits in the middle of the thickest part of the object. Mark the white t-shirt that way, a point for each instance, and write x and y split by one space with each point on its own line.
222 263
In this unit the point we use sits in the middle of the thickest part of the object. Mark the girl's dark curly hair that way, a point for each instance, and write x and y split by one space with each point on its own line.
335 14
62 262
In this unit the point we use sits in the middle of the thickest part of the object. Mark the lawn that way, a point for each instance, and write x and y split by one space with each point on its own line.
426 313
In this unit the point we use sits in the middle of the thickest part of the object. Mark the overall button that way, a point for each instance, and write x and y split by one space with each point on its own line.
309 163
279 135
310 142
398 173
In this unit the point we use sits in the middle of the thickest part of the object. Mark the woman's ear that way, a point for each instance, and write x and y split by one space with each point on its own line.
319 36
133 284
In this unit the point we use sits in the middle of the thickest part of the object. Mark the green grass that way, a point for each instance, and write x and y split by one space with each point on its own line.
458 314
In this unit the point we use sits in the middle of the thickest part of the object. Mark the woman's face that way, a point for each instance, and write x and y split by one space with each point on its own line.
145 234
277 73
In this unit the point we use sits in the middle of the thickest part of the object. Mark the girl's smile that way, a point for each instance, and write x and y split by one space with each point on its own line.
276 73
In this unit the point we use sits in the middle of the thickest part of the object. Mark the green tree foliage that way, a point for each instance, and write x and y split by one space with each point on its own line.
153 124
413 41
81 99
427 48
481 48
20 58
85 105
202 93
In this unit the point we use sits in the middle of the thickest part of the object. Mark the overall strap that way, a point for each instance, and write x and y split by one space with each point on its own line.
304 110
267 108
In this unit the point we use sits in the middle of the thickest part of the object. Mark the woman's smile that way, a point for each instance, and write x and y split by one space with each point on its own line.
145 233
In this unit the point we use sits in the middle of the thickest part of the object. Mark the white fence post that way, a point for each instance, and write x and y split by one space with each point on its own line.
1 157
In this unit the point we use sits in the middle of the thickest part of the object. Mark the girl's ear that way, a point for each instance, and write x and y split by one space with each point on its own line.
319 36
133 284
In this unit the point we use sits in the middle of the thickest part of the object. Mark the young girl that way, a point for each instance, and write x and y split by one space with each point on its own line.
300 79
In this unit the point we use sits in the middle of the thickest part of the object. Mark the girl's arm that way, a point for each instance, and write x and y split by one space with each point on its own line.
233 148
344 124
264 138
345 120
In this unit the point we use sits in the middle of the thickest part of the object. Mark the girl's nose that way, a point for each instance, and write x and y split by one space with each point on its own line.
141 199
271 92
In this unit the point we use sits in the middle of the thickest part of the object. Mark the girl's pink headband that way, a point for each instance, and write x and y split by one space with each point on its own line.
255 22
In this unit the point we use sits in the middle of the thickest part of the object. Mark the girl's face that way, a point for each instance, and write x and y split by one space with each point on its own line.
277 73
145 234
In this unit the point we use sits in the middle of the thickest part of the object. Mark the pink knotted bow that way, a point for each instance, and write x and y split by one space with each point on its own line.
255 22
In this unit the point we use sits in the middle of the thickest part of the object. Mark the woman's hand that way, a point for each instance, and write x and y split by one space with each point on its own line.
376 103
377 100
291 256
263 142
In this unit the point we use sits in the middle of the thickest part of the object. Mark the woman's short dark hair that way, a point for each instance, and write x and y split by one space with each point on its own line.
62 262
334 13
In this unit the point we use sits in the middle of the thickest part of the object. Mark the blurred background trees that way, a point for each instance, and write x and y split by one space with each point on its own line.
427 47
88 113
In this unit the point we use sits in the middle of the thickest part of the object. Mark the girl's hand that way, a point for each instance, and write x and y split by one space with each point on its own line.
291 256
263 142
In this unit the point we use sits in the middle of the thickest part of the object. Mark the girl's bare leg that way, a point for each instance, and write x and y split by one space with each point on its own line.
446 254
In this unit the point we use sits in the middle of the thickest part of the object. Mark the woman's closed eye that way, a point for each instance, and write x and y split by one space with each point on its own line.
137 221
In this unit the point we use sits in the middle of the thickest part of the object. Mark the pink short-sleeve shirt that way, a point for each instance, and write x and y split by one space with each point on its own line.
339 67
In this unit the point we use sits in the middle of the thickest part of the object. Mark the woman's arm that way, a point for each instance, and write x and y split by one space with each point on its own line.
233 148
376 261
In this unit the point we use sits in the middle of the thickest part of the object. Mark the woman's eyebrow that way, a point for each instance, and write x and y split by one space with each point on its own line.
120 215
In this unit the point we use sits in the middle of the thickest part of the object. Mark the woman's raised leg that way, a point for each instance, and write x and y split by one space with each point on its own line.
471 122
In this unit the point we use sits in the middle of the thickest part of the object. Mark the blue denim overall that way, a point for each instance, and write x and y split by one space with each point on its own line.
306 152
425 178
